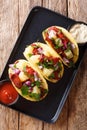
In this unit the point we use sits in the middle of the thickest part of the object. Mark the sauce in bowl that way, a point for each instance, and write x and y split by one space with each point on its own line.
8 94
79 33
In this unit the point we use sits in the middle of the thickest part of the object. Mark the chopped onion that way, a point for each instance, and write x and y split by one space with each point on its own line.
56 67
40 50
66 60
41 67
73 46
30 89
52 34
35 76
17 71
65 44
28 83
11 66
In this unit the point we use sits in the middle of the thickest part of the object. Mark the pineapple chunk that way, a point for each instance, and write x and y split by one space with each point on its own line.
36 90
20 65
69 54
29 49
11 71
23 77
47 72
47 53
35 58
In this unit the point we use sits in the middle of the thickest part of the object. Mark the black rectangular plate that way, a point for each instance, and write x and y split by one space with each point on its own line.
49 108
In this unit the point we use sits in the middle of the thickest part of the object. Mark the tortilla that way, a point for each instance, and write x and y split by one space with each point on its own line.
46 60
27 80
63 43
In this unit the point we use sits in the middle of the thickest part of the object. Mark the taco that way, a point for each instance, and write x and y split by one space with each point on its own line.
46 60
27 80
63 43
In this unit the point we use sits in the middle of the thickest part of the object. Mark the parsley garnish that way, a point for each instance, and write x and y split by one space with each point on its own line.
24 90
56 47
38 83
30 54
35 95
52 76
32 84
71 64
14 65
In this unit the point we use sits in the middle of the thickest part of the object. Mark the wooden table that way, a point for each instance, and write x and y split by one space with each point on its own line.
13 14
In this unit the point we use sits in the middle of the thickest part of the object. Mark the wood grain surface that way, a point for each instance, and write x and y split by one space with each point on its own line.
13 14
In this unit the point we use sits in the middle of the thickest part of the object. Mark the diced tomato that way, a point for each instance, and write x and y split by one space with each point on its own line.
29 70
60 35
42 57
35 51
16 80
56 75
65 41
59 50
33 44
53 28
55 60
48 40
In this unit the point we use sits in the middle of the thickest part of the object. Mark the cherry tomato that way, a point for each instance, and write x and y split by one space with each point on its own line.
8 94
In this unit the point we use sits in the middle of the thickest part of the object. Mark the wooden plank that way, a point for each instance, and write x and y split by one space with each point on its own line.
8 35
61 124
8 29
26 122
77 10
77 116
8 119
56 5
24 9
29 123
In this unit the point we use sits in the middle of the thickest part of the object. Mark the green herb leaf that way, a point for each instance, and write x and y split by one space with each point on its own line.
32 84
52 76
30 54
45 91
45 64
56 47
38 83
50 62
69 46
71 64
24 90
14 65
35 96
